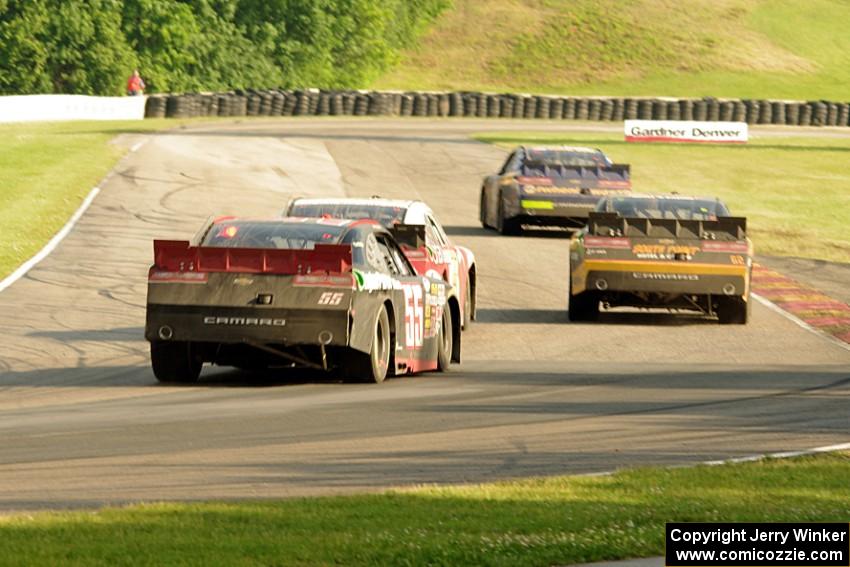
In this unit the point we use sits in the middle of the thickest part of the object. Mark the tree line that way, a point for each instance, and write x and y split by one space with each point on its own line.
91 46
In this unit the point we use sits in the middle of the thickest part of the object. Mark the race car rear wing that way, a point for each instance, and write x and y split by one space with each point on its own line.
612 224
616 176
412 235
181 256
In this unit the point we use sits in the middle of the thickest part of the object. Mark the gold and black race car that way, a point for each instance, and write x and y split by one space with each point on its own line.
661 251
328 294
549 186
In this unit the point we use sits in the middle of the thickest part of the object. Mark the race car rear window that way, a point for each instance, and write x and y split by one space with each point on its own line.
387 216
566 157
253 234
668 208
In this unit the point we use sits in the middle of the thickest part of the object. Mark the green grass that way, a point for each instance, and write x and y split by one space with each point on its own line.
46 170
559 520
731 48
795 192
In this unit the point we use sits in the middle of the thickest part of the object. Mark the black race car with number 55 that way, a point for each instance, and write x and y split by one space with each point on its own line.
328 294
549 186
662 251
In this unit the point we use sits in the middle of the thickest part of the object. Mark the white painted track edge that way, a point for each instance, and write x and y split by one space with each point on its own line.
51 245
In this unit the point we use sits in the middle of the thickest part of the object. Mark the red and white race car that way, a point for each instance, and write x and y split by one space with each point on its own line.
415 227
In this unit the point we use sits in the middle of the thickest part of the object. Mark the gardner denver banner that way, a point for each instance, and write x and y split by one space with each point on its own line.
686 131
758 545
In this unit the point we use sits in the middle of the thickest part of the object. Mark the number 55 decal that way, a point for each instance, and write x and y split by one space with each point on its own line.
414 316
331 298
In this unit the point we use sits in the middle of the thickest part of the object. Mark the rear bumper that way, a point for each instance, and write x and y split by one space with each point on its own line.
540 209
661 277
234 325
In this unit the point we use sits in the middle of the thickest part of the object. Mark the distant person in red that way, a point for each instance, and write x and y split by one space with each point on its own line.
135 84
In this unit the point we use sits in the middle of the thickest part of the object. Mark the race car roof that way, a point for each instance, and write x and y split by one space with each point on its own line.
672 196
415 211
287 220
576 149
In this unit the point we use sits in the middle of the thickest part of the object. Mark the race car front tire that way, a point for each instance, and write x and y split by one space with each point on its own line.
732 310
445 340
174 362
374 366
468 305
482 209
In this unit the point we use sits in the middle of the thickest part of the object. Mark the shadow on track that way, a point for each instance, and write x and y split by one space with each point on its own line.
531 232
456 230
633 318
141 375
114 334
501 315
652 318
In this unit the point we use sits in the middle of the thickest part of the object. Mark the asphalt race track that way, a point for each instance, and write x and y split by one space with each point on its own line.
83 422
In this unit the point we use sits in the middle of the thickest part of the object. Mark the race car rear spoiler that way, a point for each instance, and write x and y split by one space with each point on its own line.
616 176
612 224
181 256
412 235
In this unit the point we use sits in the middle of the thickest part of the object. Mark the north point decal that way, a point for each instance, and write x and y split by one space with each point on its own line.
686 131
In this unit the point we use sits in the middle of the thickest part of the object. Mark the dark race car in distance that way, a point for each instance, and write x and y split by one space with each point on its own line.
661 251
549 186
416 229
335 295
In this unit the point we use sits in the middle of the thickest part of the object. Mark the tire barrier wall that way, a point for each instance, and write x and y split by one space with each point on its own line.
315 102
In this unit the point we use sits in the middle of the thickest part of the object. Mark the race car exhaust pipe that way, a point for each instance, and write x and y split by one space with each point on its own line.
325 337
729 289
165 333
601 284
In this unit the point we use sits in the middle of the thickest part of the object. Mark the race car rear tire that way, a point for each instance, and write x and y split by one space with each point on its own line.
374 366
174 362
445 342
508 227
584 306
732 310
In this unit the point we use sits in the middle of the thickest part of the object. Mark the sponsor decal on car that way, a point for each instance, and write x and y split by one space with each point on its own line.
664 252
549 190
178 277
310 280
372 281
244 321
535 204
665 277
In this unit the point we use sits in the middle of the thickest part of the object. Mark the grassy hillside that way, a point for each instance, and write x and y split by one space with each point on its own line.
724 48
